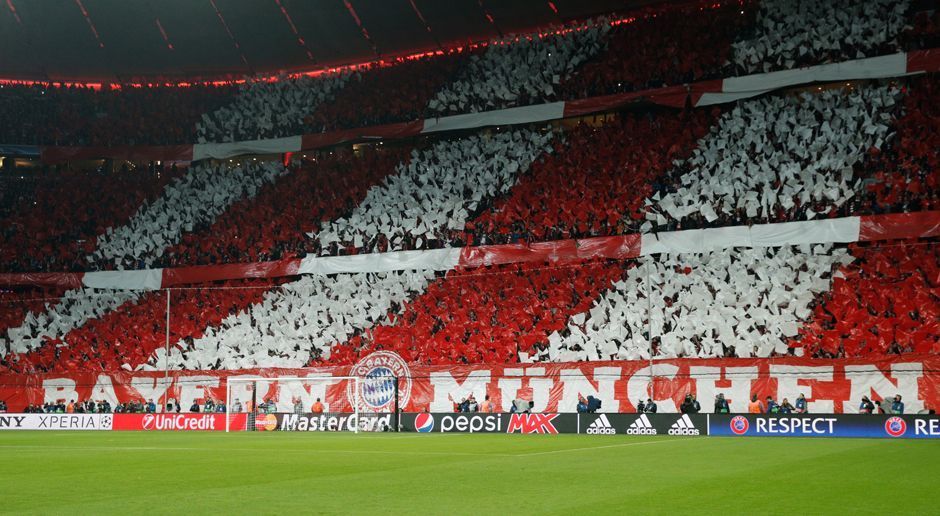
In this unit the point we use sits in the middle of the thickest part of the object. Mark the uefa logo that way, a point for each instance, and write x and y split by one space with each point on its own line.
424 423
739 425
895 426
377 374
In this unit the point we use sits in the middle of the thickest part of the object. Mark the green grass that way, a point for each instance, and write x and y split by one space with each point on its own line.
278 473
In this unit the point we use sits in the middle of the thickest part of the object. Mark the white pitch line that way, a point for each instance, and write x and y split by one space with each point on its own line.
588 448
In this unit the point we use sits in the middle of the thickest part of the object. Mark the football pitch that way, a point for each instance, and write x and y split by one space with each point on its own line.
341 473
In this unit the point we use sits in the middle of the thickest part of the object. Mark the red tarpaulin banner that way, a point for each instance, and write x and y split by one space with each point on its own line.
43 279
209 273
830 385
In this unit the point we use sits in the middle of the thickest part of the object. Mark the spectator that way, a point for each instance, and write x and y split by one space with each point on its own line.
194 408
237 406
721 404
897 406
298 406
151 407
472 404
801 406
771 406
582 404
755 406
521 406
3 406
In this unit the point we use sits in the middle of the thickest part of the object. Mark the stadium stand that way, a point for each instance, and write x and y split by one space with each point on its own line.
857 319
269 108
820 152
57 114
664 47
790 34
52 218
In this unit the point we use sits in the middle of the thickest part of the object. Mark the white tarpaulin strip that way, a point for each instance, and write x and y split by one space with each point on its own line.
519 115
432 259
146 279
228 150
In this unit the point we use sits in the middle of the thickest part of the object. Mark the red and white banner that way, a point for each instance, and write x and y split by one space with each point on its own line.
178 422
831 386
840 230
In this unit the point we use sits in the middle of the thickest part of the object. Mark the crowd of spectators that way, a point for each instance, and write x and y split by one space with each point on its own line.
664 47
273 224
887 301
790 34
781 157
778 158
295 323
269 108
51 218
435 192
387 93
198 197
499 314
732 302
595 181
49 114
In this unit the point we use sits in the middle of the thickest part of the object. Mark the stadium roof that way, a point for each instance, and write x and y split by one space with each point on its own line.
140 40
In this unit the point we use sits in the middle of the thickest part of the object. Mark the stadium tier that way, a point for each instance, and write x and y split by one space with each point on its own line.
575 238
682 43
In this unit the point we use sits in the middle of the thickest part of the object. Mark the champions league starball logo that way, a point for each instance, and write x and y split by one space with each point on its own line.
377 373
895 426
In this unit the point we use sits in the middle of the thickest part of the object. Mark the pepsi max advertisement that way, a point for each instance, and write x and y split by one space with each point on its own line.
553 423
825 425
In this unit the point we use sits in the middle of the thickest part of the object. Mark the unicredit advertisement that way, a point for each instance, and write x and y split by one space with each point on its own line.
825 425
179 422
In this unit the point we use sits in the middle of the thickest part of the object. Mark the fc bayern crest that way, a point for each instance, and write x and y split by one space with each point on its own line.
739 425
377 374
895 426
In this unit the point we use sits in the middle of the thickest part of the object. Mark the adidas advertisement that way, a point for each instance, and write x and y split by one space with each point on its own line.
644 424
601 425
641 426
684 426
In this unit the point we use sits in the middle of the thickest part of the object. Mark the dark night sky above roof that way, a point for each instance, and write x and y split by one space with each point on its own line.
124 40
